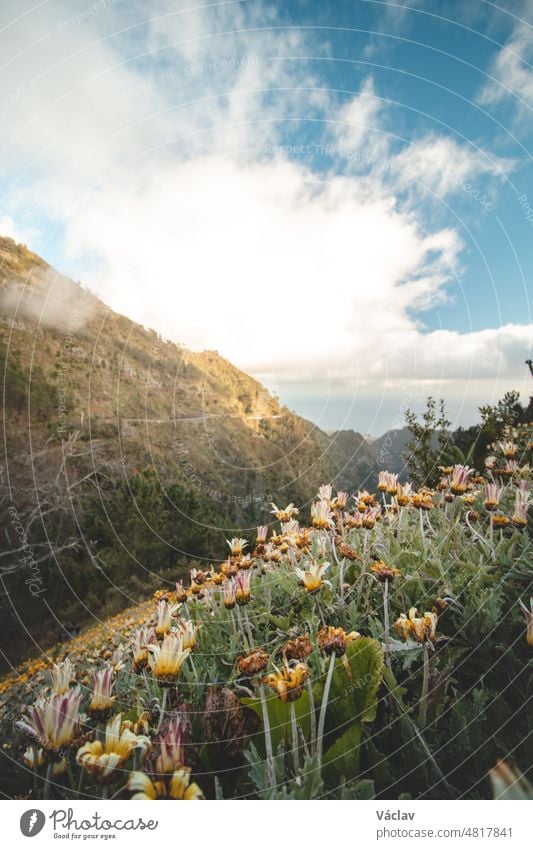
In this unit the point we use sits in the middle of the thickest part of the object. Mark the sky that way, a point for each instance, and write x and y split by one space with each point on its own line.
336 196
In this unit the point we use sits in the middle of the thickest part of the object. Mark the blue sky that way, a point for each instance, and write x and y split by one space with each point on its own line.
354 176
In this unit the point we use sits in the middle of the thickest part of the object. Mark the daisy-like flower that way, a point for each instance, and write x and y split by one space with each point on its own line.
236 546
355 520
492 496
104 758
165 612
253 663
262 533
142 638
528 614
311 577
170 744
348 552
332 639
181 592
288 681
460 479
167 658
321 515
521 504
54 721
500 521
33 758
508 448
284 514
364 499
384 572
243 587
216 577
228 594
325 492
62 675
102 700
370 517
187 630
297 649
490 462
404 494
421 628
178 786
422 500
340 501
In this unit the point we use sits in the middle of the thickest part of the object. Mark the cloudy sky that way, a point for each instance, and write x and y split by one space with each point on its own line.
336 196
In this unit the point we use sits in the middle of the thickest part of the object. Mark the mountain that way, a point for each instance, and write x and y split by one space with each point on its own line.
128 456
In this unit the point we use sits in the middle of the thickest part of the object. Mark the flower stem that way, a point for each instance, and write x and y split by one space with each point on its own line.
271 773
422 713
312 715
163 709
294 730
46 789
386 621
323 708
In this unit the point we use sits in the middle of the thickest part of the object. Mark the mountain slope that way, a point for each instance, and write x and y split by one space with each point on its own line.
126 454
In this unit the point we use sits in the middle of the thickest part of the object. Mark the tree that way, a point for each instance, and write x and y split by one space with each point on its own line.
431 443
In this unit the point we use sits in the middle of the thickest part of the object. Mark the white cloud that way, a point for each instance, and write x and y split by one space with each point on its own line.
512 71
150 148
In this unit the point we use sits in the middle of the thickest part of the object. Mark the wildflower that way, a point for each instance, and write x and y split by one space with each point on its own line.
198 579
383 572
383 479
229 594
253 663
490 462
348 552
262 533
170 744
102 701
236 545
217 577
54 721
312 577
229 569
187 630
422 628
33 758
165 612
508 449
492 496
365 499
332 639
242 587
404 494
181 592
500 521
176 787
521 505
288 681
246 562
422 500
370 517
321 515
141 640
460 479
297 649
167 658
528 613
340 501
62 675
284 514
103 759
325 492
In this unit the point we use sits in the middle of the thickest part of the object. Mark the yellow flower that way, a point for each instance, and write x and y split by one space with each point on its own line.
288 681
321 515
312 577
62 675
383 572
167 658
421 628
187 630
103 759
165 612
332 639
176 787
102 700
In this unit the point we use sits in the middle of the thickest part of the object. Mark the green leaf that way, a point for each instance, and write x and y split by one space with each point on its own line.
279 715
342 759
